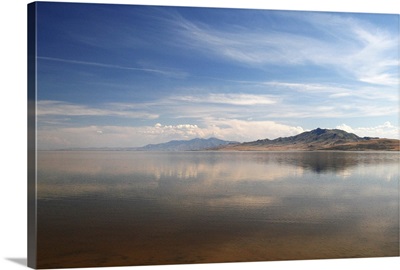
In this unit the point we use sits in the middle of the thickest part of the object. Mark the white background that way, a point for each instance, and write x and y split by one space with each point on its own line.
13 174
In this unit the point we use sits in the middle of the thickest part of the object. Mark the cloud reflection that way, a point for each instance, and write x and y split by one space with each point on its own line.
200 173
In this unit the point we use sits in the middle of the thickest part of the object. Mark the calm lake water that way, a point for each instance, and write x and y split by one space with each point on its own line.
138 208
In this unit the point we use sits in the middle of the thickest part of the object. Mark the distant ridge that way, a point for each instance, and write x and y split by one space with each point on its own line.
186 145
318 139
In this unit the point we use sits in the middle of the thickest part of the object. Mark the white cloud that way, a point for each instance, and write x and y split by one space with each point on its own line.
115 136
346 128
164 133
240 130
386 130
61 108
231 99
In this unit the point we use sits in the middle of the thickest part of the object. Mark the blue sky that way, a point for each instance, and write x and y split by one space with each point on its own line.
123 75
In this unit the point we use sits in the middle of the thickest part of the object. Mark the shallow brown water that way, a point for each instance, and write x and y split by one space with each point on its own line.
138 208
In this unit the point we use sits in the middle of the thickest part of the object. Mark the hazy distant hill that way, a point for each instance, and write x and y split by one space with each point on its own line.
186 145
318 139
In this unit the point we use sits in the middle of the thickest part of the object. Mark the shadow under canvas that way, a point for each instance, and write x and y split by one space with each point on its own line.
20 261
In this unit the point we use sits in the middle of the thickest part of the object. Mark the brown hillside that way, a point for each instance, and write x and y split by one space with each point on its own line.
318 139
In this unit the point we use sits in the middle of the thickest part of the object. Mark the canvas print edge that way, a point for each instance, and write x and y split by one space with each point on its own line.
31 137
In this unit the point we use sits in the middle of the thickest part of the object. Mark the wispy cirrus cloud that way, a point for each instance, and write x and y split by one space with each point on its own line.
337 90
164 72
290 101
351 47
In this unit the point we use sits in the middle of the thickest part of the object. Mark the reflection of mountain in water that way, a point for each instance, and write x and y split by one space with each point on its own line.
326 162
321 162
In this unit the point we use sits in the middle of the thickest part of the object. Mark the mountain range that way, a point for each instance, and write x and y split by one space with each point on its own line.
318 139
187 145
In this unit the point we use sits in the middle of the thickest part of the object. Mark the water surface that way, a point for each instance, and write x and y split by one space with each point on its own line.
137 208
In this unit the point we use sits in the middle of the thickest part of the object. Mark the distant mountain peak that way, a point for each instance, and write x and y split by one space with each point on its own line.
318 131
195 144
317 139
